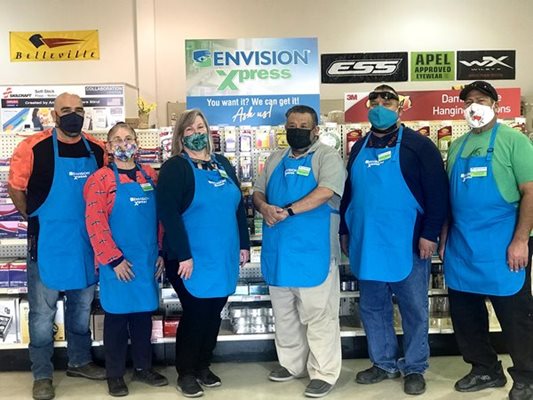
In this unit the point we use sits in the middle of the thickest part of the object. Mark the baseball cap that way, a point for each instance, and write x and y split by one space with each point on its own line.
482 86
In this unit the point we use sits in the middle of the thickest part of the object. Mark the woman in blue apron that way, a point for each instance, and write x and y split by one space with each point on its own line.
206 238
122 225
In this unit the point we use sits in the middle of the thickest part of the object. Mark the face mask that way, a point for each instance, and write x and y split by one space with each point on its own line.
126 153
477 115
71 124
196 142
382 118
299 138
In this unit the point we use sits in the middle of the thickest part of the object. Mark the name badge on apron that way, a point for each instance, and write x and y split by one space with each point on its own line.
303 170
147 187
384 156
223 173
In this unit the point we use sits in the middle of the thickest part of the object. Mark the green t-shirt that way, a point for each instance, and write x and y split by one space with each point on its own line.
512 161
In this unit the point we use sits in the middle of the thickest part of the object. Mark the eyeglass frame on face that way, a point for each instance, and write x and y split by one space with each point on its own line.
386 96
116 140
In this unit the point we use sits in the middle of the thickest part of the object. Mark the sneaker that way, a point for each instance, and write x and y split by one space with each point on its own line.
317 388
189 387
414 384
149 376
475 382
207 378
521 391
89 371
374 375
117 387
280 374
43 389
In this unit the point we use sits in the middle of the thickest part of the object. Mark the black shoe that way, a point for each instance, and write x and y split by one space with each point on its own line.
207 378
521 391
43 389
280 374
89 371
117 387
189 387
414 384
317 388
475 382
374 375
150 377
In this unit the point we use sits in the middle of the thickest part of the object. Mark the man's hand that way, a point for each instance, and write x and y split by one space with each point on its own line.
442 248
185 269
517 254
244 257
272 214
160 264
426 248
123 271
345 244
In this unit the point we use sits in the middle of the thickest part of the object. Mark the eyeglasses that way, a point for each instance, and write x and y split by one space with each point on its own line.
119 140
383 95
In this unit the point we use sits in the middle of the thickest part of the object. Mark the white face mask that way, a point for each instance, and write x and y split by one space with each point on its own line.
477 115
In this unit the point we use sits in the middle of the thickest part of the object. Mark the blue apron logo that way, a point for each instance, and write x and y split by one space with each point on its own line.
79 175
139 200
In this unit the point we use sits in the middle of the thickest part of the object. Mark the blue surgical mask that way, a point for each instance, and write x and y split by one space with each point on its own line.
382 118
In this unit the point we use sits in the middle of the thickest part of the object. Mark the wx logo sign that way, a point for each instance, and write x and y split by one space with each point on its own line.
486 64
488 61
364 67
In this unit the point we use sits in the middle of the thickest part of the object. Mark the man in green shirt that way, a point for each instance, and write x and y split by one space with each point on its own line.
487 249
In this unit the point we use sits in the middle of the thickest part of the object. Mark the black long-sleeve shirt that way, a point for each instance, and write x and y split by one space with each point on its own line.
423 170
175 192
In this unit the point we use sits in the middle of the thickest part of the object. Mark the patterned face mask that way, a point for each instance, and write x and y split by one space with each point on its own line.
126 153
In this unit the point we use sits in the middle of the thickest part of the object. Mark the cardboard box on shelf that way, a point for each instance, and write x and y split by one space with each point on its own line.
4 273
98 326
18 275
9 229
9 330
170 325
58 326
8 212
157 327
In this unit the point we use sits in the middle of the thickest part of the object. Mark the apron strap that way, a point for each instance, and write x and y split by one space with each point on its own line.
490 149
85 142
398 143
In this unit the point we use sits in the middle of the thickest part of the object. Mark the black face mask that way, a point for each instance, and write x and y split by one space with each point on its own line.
71 124
298 138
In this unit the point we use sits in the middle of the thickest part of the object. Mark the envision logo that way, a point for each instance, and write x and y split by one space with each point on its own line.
79 175
139 200
363 67
487 61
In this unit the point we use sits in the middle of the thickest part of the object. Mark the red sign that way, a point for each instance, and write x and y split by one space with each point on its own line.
431 105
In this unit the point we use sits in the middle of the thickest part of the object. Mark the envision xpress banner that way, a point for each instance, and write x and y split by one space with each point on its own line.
251 81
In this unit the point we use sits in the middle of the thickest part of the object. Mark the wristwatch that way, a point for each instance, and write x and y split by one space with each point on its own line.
289 210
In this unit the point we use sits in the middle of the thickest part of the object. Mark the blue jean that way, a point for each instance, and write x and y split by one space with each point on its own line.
42 301
377 316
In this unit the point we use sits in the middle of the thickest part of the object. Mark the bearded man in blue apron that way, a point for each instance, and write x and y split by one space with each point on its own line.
46 179
392 211
298 195
488 249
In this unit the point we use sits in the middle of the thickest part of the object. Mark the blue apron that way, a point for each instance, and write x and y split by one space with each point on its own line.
65 256
482 227
133 224
296 251
381 215
211 225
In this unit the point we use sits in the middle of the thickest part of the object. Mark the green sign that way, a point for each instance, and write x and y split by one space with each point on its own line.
433 66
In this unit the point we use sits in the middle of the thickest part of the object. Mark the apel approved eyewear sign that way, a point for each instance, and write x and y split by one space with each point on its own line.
486 65
29 107
364 67
251 81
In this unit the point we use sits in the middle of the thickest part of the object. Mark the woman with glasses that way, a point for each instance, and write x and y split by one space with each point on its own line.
206 237
123 230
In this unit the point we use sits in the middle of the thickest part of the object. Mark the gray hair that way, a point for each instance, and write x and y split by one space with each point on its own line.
185 120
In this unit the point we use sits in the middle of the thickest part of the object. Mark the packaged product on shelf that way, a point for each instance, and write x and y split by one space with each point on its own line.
257 287
4 273
331 136
18 275
519 124
9 229
170 326
98 326
281 137
249 206
255 254
245 139
214 132
9 331
165 142
352 136
230 139
263 137
157 327
22 229
258 226
423 128
261 161
245 170
242 288
232 158
3 190
444 136
5 161
8 212
59 321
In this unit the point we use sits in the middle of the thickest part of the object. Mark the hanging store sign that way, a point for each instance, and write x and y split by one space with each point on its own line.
433 66
54 46
29 107
486 65
430 105
251 81
364 67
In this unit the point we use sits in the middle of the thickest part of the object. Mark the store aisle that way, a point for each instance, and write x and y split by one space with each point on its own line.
248 381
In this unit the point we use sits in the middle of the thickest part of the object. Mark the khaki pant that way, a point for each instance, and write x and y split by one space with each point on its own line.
307 328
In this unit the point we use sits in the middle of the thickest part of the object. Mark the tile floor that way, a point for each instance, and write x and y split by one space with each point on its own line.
248 381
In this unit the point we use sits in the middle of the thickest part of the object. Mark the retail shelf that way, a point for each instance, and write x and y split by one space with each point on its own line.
4 168
18 290
13 242
437 292
348 294
248 298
